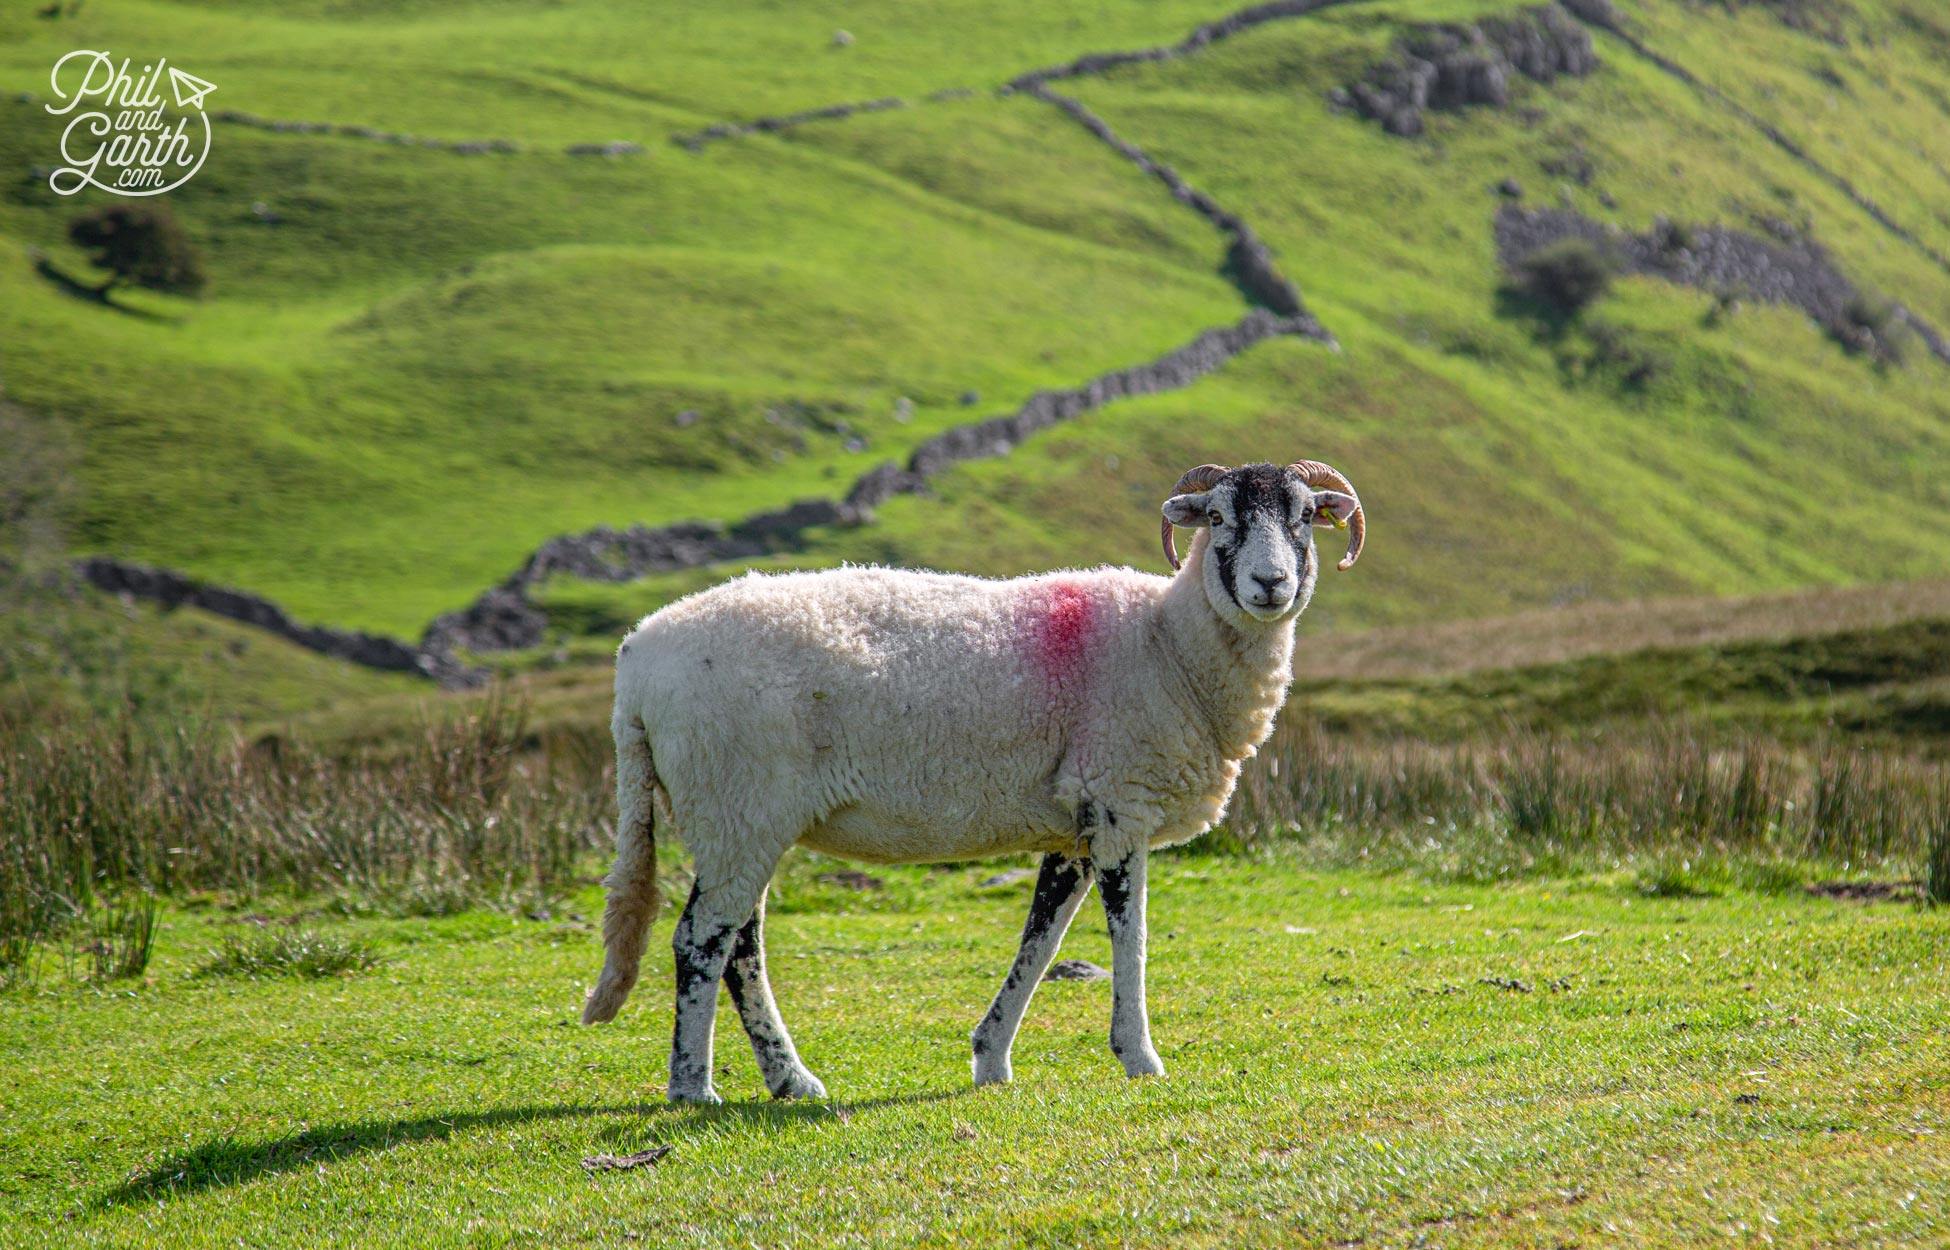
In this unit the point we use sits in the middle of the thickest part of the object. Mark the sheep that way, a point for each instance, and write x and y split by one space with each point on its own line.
896 716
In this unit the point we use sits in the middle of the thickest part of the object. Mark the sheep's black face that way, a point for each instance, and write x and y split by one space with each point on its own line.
1259 560
1261 551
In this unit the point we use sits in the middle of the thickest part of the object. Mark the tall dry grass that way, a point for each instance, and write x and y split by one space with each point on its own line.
97 816
470 813
1523 799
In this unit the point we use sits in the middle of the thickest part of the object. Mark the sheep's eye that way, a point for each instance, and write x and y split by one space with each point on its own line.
1216 517
1307 517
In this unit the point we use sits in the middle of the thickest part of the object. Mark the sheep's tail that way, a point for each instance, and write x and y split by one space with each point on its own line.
633 881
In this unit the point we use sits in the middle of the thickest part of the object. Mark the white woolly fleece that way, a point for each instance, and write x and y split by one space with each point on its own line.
892 716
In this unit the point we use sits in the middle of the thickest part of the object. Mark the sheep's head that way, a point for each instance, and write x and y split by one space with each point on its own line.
1261 518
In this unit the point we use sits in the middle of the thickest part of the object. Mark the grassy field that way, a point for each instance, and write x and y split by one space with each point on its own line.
1353 1059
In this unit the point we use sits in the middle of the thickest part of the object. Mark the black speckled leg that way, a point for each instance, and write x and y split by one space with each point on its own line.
1060 888
744 975
1121 883
702 947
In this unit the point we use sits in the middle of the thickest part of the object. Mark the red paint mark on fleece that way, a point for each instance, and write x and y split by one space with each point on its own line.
1060 625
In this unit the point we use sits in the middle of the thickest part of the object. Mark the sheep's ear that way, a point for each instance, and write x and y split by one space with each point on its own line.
1189 510
1331 507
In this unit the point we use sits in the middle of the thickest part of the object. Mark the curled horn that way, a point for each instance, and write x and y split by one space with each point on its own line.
1205 477
1317 474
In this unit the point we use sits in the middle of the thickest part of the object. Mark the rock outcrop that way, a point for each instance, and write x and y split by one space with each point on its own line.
1449 67
1603 16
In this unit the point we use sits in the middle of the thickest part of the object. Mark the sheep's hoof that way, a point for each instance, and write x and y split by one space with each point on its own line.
799 1083
993 1071
705 1097
1144 1062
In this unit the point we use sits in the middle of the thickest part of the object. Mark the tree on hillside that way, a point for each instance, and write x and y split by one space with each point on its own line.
139 244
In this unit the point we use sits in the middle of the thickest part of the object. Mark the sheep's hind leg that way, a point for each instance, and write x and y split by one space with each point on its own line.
702 944
1060 888
1120 880
785 1075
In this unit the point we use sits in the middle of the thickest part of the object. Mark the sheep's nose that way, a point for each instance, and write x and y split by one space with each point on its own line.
1272 590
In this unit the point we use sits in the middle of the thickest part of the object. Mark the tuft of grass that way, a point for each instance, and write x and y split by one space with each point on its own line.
118 939
140 244
1683 878
1874 326
288 953
1534 799
1936 871
1672 236
1771 876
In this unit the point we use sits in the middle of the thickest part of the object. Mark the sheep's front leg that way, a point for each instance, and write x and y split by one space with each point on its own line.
1060 888
1120 880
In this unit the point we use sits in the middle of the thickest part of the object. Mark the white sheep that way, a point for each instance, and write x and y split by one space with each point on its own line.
903 717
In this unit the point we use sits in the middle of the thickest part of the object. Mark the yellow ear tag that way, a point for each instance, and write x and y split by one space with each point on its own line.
1340 523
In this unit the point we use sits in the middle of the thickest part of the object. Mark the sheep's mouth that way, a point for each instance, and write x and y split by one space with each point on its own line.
1258 600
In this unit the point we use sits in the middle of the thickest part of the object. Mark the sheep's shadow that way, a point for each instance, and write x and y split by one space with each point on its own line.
224 1161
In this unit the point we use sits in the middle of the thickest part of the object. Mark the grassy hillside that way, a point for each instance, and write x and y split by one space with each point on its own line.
432 361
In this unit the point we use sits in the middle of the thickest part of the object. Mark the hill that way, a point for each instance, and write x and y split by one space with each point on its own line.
415 364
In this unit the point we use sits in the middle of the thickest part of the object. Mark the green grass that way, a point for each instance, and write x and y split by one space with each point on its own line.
1345 1063
1547 987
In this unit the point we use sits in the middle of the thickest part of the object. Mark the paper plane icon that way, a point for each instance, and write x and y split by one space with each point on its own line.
189 89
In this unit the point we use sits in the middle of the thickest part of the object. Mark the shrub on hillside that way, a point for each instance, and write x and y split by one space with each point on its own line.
1673 236
140 244
1873 326
1568 275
